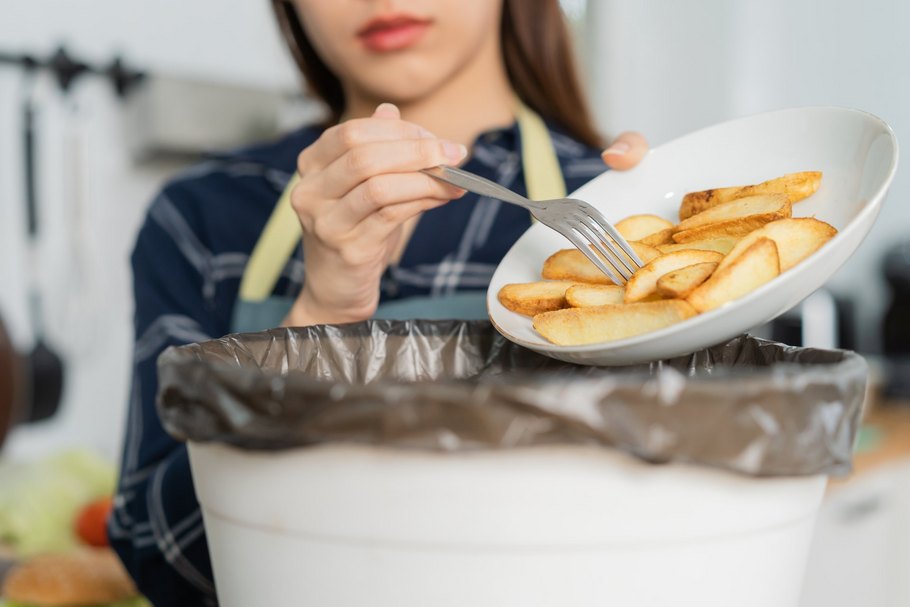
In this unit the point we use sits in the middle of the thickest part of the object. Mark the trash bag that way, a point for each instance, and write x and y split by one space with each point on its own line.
748 405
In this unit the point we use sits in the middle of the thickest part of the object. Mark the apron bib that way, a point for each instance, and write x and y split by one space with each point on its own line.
257 309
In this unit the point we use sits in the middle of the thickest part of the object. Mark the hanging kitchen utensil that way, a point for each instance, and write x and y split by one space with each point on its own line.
45 368
82 280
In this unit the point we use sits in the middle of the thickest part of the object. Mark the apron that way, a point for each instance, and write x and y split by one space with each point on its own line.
257 309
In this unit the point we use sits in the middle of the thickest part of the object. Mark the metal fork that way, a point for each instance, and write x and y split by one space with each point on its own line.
575 219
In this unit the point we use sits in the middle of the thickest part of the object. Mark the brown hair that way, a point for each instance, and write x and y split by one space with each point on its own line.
536 47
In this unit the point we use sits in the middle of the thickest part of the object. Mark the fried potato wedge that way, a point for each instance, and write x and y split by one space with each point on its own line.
664 236
638 227
680 283
532 298
643 284
796 239
584 296
721 245
645 251
754 267
795 186
572 265
734 218
578 326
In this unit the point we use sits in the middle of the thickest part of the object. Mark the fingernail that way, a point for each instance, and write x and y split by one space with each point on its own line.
454 151
386 108
617 149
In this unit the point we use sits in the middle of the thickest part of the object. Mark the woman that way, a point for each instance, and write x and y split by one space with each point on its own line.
410 84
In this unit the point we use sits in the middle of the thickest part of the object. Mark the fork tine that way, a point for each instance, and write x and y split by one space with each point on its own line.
609 229
624 262
605 249
594 258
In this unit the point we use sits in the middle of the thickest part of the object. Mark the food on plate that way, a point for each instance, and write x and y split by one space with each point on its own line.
754 267
532 298
582 296
579 326
572 265
730 242
638 227
659 238
795 238
86 576
680 283
734 218
795 186
643 284
721 245
644 251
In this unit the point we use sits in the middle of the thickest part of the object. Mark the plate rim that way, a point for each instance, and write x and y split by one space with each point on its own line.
873 207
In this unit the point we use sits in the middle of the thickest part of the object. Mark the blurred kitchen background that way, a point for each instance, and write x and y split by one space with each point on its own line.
215 75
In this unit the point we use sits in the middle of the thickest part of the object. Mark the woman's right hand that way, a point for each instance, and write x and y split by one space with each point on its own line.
359 183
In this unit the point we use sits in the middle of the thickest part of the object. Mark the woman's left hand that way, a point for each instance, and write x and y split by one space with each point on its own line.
626 151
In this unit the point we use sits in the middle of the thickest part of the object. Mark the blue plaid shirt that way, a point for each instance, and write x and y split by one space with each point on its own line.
187 263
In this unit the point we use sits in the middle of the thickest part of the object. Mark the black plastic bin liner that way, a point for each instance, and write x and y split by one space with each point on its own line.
751 406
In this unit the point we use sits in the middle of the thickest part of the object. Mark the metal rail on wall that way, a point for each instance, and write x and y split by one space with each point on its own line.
67 69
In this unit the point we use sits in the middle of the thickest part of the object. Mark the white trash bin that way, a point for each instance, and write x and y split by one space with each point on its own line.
567 526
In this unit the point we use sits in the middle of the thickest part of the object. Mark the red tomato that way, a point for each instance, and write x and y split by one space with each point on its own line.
91 524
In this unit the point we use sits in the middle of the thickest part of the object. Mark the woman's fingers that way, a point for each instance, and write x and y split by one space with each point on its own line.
387 110
379 226
386 190
384 125
626 151
371 159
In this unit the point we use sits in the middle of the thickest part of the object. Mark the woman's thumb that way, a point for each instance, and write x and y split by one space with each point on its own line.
386 110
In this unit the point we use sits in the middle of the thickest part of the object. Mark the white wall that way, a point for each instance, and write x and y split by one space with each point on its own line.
88 301
667 68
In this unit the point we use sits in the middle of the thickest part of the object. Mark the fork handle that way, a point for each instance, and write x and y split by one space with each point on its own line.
478 185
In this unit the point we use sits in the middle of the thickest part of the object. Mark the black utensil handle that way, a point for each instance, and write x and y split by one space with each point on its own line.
28 133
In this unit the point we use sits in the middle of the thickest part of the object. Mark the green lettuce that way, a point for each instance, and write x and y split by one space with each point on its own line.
39 501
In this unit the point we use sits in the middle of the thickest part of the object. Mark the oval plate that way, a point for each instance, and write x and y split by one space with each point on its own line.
856 151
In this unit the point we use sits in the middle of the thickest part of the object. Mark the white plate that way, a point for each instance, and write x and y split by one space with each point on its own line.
856 151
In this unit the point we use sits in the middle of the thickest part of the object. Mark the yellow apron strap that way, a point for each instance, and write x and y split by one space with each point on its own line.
543 175
543 179
273 249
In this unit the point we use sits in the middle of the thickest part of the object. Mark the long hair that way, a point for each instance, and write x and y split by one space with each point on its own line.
536 47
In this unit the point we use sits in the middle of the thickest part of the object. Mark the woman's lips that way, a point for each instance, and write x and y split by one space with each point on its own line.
392 33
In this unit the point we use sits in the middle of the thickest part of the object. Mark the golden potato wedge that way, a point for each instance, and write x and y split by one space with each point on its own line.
532 298
572 265
735 218
578 326
757 265
637 227
584 296
680 283
796 239
644 251
721 245
658 238
643 283
796 186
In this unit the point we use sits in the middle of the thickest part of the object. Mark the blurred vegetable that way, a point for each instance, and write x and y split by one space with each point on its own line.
91 523
39 501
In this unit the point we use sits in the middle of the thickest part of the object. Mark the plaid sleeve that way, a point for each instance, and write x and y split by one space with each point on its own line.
156 526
